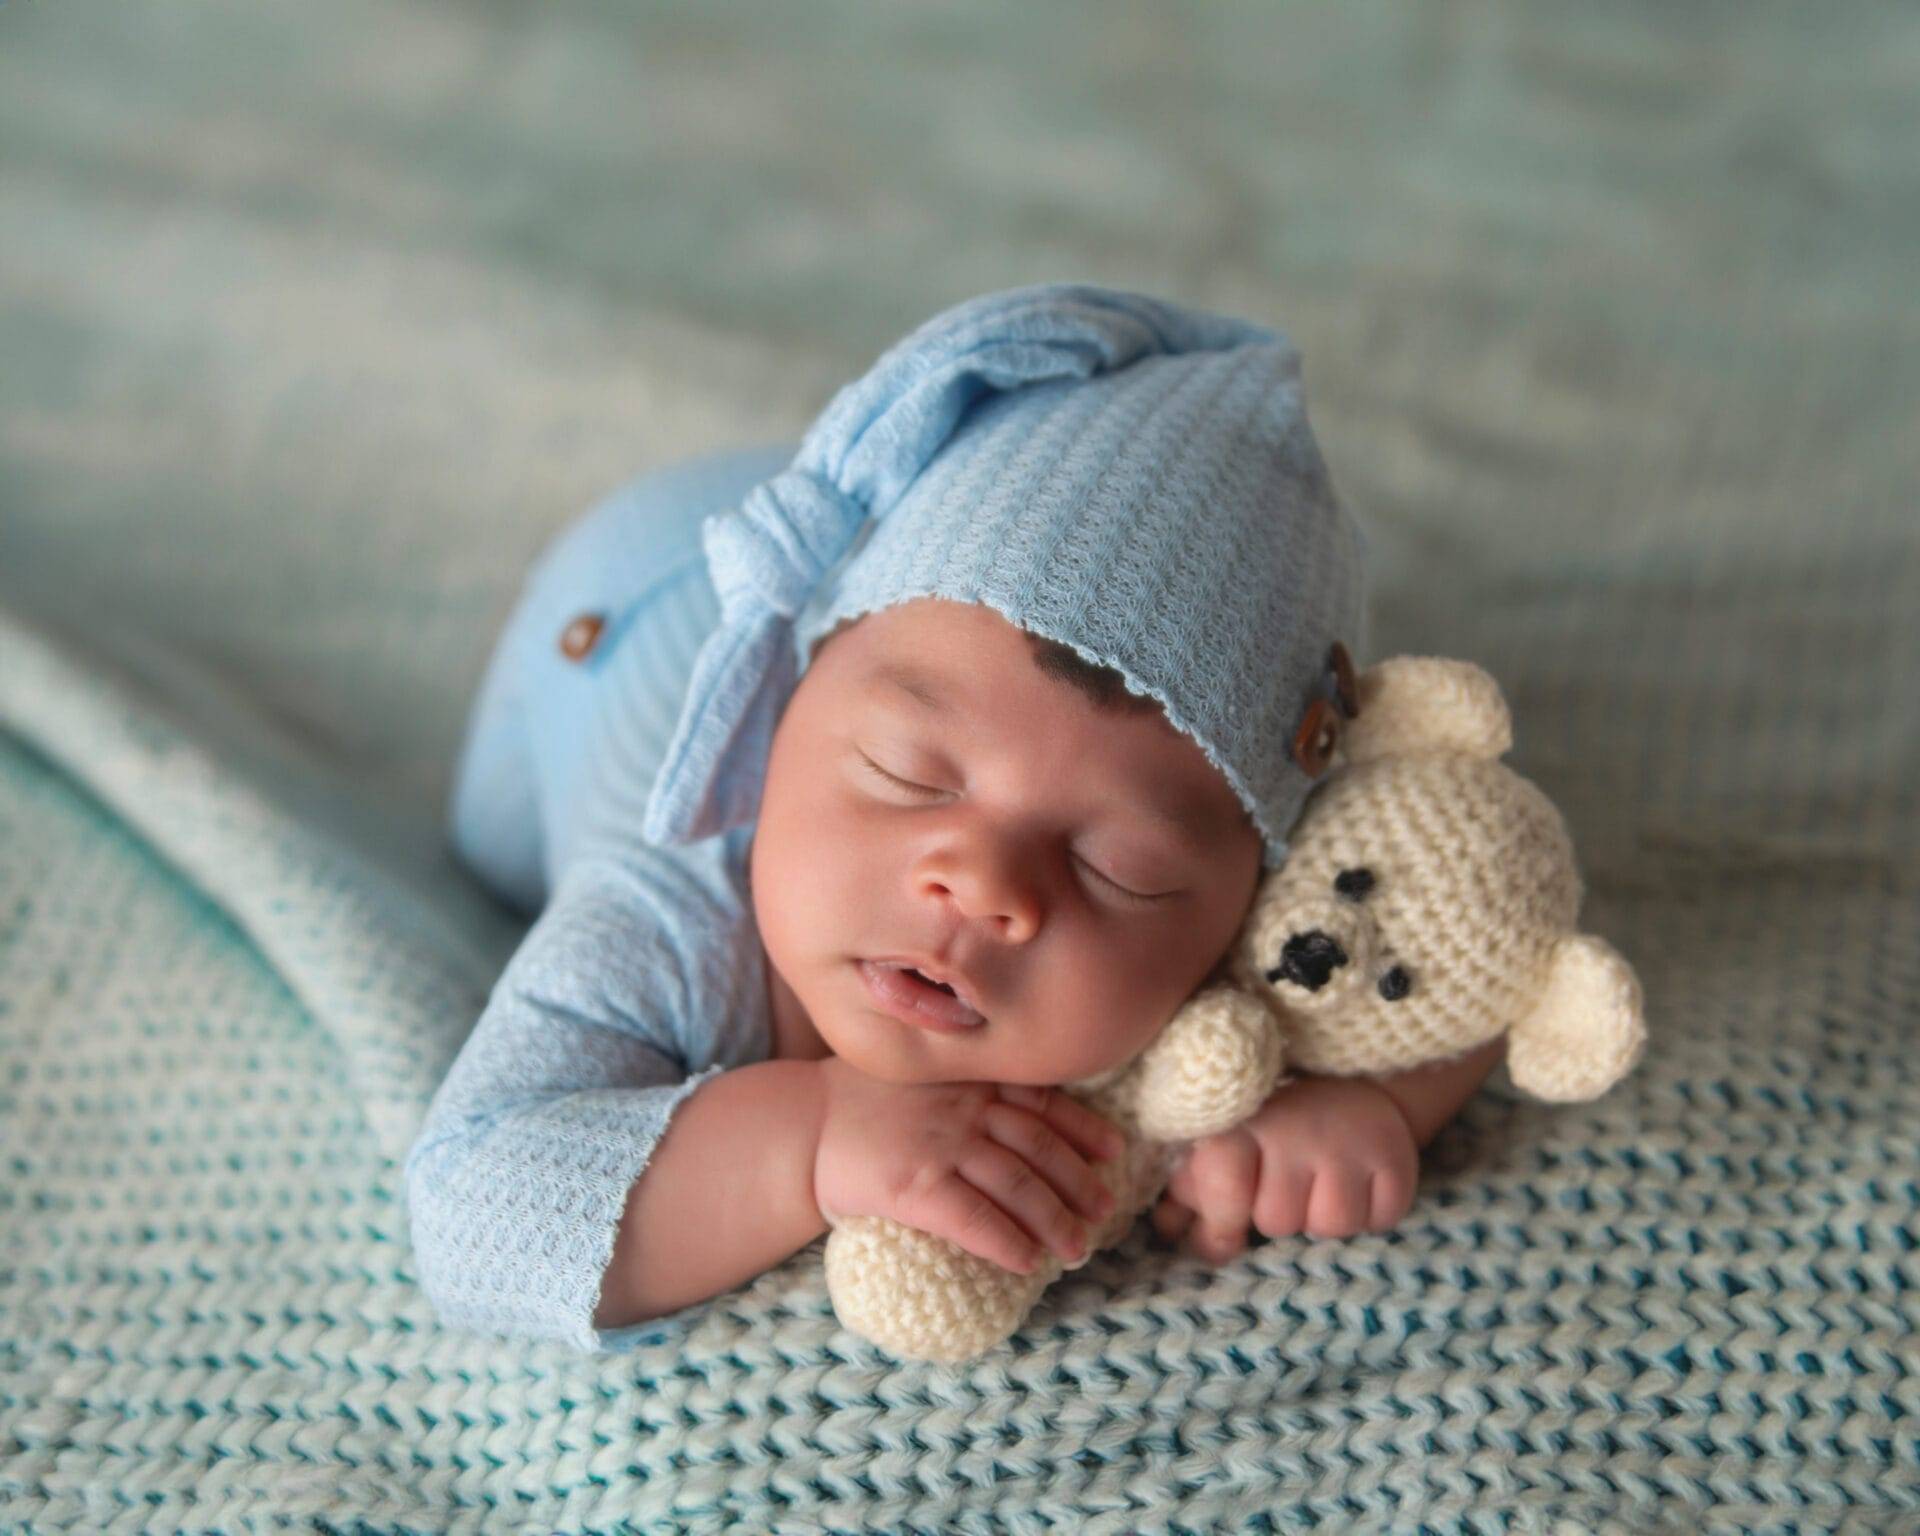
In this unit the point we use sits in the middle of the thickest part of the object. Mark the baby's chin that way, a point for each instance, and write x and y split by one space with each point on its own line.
896 1052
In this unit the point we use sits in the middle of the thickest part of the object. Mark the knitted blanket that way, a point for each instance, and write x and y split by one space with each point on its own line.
318 322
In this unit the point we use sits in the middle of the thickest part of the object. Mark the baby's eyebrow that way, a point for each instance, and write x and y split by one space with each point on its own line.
918 685
1186 818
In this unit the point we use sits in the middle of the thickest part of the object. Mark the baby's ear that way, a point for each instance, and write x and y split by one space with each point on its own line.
1588 1029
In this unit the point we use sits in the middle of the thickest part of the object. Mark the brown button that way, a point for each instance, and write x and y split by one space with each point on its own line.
1343 680
1318 734
579 637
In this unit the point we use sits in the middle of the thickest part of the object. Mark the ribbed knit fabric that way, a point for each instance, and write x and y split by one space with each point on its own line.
1689 1306
1121 474
642 975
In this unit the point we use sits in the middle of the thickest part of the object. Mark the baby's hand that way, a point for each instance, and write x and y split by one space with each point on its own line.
1326 1156
1000 1170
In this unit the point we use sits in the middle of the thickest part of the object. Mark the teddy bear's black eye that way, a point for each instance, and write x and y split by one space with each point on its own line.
1354 883
1396 984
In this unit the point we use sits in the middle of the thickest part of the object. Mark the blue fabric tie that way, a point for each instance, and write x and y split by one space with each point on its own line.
766 559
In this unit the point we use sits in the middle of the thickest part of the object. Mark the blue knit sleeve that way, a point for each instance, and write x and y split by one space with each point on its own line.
608 1016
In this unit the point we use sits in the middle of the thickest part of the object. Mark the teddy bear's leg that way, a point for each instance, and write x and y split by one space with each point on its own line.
920 1297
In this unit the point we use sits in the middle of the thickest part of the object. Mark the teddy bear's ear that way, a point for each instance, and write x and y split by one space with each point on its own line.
1416 704
1588 1029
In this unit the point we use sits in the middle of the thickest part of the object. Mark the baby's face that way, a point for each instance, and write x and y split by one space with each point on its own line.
1023 848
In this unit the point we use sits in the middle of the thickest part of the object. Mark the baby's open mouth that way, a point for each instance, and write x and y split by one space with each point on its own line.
910 993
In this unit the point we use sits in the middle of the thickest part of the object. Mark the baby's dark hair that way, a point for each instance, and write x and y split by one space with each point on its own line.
1103 685
1106 687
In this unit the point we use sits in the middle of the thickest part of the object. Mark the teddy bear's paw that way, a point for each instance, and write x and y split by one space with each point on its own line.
1212 1066
920 1297
1587 1031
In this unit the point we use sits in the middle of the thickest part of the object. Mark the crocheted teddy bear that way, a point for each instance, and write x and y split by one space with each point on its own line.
1427 904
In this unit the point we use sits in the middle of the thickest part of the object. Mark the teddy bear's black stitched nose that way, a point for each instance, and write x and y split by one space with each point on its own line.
1309 960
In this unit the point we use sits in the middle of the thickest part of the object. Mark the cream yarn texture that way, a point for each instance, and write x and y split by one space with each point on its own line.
1471 894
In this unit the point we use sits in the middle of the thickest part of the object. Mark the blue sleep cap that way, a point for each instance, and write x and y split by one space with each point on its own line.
1127 477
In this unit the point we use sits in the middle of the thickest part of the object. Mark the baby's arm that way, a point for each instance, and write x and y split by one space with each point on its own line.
520 1177
1432 1095
1326 1156
732 1179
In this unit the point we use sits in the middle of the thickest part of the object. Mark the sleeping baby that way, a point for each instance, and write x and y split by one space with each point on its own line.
862 795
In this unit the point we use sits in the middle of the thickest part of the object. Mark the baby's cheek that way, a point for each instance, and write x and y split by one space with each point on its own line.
812 899
1118 1005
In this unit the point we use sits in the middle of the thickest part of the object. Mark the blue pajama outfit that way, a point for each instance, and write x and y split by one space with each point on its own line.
642 975
1130 477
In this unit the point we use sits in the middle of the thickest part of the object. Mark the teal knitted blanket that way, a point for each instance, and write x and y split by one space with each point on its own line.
317 321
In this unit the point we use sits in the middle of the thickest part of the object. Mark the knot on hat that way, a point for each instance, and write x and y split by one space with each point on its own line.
770 552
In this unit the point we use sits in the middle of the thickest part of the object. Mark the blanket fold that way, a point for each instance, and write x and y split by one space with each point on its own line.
284 849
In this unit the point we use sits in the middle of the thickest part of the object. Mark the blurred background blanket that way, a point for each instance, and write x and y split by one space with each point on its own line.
316 322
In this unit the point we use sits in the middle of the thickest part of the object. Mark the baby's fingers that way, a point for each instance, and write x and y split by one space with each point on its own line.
1223 1174
959 1212
1171 1220
1043 1149
1217 1239
1392 1198
1020 1190
1285 1189
1341 1203
1092 1135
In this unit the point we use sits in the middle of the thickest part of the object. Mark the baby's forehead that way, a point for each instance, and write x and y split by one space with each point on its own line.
951 659
1138 753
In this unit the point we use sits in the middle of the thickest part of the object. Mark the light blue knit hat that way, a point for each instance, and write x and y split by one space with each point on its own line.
1130 478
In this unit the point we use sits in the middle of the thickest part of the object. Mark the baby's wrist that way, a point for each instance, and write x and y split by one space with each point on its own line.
814 1092
1401 1113
1430 1096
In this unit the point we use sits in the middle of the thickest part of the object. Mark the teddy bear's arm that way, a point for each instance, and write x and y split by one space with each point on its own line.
1210 1068
1588 1029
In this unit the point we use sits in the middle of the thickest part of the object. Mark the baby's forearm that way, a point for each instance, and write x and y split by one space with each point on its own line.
726 1195
1430 1096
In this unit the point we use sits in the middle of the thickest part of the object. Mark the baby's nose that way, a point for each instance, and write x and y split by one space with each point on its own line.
988 890
1309 960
